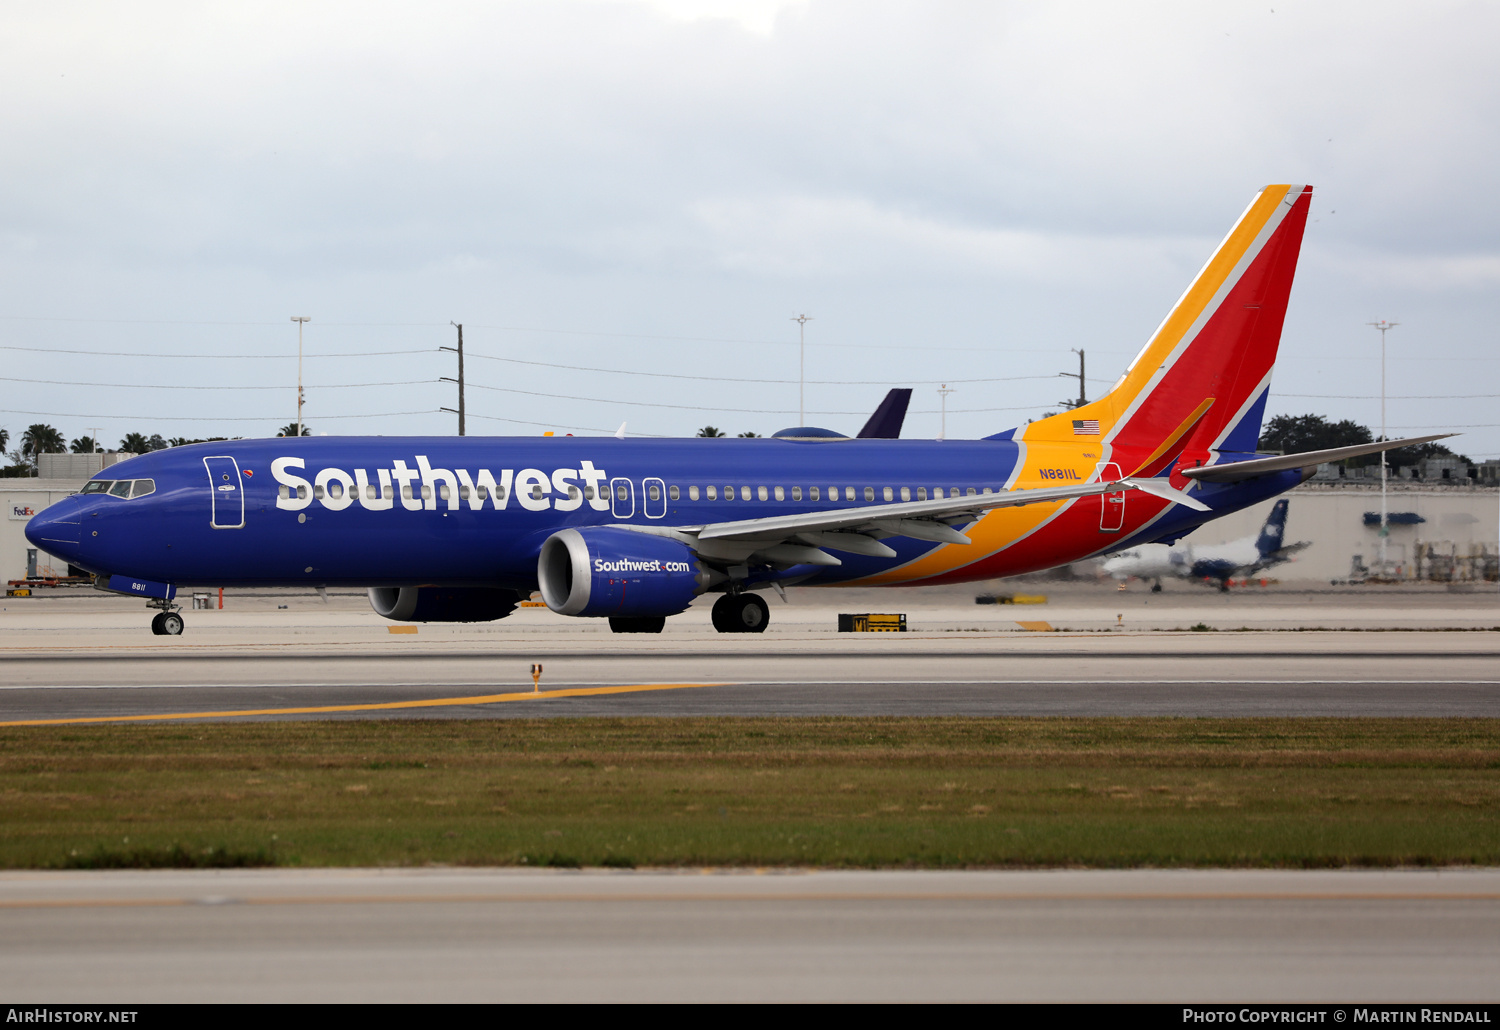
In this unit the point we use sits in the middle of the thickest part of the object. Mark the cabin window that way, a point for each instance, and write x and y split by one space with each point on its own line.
729 493
120 489
888 494
574 493
780 494
988 490
813 493
536 491
921 493
971 492
481 492
693 493
954 491
673 493
319 492
443 491
937 493
426 492
906 493
622 492
371 491
760 492
796 493
406 491
500 492
335 494
869 493
713 493
745 493
302 493
463 491
281 491
588 492
653 492
101 486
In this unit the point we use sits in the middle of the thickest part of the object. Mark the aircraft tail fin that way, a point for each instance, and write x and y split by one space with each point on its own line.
1272 533
1200 384
885 423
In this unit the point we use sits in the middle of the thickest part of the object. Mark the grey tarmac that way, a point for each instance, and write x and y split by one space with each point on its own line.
505 935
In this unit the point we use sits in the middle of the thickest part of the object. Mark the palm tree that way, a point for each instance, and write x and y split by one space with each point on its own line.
290 429
82 445
135 443
42 439
710 431
4 438
748 435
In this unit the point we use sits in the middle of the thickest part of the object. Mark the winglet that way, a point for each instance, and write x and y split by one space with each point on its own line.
885 423
620 433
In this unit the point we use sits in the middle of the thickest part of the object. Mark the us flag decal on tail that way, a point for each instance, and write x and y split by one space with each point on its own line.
1085 427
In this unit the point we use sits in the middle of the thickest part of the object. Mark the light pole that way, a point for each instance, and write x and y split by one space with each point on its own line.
801 321
95 431
300 320
1385 530
943 397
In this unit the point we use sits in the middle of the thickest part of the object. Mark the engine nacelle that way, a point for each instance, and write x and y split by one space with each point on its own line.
601 571
443 604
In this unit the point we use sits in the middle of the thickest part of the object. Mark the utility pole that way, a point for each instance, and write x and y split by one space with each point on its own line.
301 320
459 350
1082 392
801 321
943 397
1385 529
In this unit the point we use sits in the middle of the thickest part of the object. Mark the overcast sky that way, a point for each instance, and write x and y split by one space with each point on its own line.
954 192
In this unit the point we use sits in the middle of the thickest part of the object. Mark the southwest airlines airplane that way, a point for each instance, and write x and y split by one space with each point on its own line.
461 529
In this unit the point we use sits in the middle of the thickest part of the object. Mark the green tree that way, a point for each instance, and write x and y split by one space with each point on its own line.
748 435
84 445
156 443
290 429
4 438
1295 433
42 439
135 443
710 431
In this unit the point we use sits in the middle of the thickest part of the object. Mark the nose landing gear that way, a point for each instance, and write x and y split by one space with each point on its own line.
167 622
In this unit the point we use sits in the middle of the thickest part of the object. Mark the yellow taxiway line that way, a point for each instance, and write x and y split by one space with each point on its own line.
437 702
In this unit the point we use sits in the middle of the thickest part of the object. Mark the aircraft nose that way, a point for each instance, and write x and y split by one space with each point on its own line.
55 529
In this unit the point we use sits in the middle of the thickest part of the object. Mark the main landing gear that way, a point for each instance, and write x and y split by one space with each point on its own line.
741 613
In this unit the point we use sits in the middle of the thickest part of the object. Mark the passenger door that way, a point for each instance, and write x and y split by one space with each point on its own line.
226 489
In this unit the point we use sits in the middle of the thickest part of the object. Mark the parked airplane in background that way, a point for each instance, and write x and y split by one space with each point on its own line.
461 529
1223 562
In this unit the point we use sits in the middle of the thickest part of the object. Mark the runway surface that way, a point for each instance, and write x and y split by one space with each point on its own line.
499 935
1307 677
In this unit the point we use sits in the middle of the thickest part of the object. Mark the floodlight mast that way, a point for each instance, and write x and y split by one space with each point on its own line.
301 320
1385 530
802 321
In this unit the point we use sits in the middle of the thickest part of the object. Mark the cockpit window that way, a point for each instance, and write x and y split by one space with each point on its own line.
143 487
120 489
97 486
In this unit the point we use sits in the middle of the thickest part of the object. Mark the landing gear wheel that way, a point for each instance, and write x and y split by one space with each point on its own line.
156 624
652 624
741 613
1156 588
171 624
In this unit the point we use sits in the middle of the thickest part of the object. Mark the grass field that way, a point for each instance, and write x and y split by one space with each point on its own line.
852 792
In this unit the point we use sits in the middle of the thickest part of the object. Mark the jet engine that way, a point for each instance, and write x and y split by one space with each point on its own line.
443 604
602 571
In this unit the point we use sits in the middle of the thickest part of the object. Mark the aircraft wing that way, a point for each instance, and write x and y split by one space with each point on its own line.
1277 557
801 538
1234 471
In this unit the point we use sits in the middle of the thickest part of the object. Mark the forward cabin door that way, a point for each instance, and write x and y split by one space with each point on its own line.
1111 506
226 492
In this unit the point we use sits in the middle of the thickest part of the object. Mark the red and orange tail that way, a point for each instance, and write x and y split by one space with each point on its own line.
1200 384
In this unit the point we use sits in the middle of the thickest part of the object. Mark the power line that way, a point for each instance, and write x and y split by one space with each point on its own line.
142 354
138 417
215 386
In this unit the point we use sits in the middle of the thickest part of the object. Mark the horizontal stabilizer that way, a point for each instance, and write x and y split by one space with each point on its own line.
1235 471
